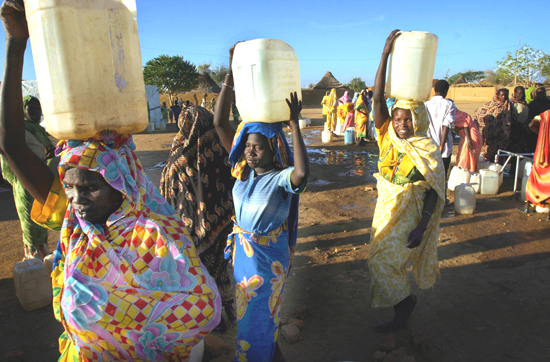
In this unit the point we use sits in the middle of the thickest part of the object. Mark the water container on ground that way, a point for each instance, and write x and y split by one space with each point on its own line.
265 72
411 67
458 176
526 172
482 164
521 170
326 136
338 130
308 121
497 168
489 182
161 125
302 123
48 261
349 136
465 199
88 66
197 352
475 181
33 285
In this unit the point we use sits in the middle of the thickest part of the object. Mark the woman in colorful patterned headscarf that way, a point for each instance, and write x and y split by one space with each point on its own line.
128 284
268 181
195 182
495 120
35 237
345 110
411 197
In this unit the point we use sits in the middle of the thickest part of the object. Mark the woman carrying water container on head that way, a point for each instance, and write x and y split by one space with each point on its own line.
265 194
411 190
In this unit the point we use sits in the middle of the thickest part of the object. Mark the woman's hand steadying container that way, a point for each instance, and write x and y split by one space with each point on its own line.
295 108
389 42
13 18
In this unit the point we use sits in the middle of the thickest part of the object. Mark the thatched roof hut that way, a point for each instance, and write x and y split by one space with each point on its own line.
328 82
206 85
460 80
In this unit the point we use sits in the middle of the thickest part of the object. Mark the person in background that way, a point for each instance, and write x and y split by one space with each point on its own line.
127 282
520 134
235 112
362 111
538 186
530 94
204 103
411 197
171 114
442 113
196 184
332 107
212 104
164 112
324 103
35 237
268 181
495 122
176 109
538 105
345 110
470 144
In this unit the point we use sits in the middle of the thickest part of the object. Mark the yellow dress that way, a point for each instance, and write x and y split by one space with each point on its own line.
399 210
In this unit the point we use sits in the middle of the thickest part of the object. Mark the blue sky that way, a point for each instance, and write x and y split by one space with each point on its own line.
344 37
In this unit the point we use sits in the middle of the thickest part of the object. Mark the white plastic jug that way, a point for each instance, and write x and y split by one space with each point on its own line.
161 125
475 181
326 136
458 176
197 352
339 129
265 72
88 66
526 173
482 164
498 169
465 199
33 285
412 66
489 182
302 123
48 261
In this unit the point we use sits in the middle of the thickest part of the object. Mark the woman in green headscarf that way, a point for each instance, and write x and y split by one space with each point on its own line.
34 237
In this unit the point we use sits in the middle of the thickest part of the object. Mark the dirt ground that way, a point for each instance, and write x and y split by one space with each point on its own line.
490 303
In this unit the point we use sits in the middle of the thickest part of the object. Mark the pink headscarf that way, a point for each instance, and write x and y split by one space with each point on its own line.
344 99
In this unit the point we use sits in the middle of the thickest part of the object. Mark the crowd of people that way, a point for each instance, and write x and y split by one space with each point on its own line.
143 275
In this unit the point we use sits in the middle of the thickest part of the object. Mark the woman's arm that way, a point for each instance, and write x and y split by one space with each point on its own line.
223 107
301 159
415 237
31 171
381 114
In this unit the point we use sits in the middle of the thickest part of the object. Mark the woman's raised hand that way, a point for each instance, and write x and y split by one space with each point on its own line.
295 108
389 42
13 17
231 51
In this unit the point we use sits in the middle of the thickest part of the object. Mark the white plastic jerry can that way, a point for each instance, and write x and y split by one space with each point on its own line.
411 67
465 199
489 182
475 181
265 72
88 66
326 136
498 168
33 285
458 176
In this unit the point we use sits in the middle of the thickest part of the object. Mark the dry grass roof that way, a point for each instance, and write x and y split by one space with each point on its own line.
328 82
206 85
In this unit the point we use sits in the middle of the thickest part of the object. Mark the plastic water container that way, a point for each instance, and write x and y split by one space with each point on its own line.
88 66
302 123
412 66
150 127
349 136
197 352
338 129
489 182
458 176
525 179
161 125
326 136
453 161
308 121
465 199
265 72
482 164
33 285
475 181
522 165
497 168
48 261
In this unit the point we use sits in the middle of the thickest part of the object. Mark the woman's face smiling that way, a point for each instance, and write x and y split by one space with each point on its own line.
91 197
402 123
258 153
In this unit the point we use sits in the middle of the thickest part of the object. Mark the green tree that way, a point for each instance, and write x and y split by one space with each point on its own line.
218 73
204 68
357 84
470 76
171 74
526 66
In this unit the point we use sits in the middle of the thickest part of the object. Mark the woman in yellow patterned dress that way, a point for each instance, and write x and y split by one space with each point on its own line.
411 194
332 106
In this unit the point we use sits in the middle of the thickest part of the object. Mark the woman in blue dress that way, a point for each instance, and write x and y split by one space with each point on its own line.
268 181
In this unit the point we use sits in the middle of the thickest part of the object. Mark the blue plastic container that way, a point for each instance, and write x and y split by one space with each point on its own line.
349 137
